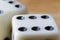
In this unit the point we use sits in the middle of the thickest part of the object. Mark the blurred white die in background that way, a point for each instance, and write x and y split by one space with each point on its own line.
7 10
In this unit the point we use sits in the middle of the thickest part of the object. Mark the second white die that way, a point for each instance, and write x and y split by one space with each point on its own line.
34 27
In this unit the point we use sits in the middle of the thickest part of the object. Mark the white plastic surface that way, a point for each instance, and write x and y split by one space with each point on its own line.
7 11
29 23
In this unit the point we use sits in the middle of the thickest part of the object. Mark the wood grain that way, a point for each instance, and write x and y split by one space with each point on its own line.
44 6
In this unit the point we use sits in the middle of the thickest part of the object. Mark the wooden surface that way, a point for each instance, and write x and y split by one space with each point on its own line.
44 6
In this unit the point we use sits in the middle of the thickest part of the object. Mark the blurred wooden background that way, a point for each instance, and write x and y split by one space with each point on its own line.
44 6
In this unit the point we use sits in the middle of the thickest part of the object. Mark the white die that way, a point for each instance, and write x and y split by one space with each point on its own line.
34 27
7 10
